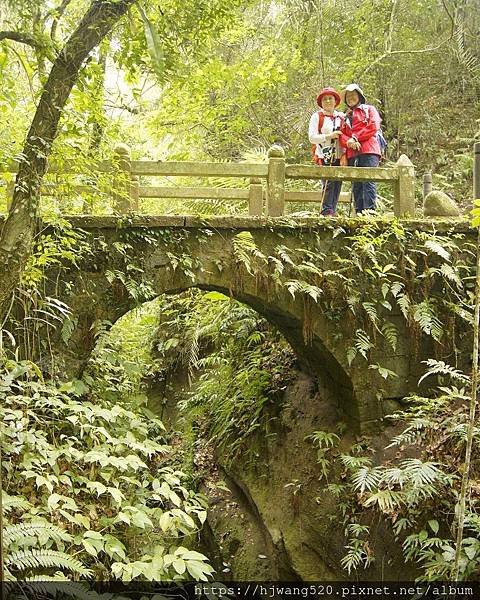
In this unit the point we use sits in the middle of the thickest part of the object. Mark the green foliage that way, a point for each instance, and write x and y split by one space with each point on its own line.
89 489
324 441
417 495
241 366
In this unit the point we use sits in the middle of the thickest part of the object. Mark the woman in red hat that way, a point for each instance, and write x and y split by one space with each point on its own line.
323 133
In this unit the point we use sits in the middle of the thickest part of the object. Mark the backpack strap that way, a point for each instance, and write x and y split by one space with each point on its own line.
366 112
321 120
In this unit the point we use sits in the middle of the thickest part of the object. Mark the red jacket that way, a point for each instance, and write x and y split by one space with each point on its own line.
362 123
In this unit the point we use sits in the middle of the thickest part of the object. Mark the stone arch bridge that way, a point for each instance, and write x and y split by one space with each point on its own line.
136 259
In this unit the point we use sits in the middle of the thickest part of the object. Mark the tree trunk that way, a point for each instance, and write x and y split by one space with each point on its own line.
19 228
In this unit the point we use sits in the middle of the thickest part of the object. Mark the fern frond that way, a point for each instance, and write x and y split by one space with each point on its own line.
371 311
386 500
356 556
425 316
15 533
421 473
282 252
404 304
451 274
412 433
35 559
366 478
390 333
11 502
439 367
437 248
354 462
54 586
362 342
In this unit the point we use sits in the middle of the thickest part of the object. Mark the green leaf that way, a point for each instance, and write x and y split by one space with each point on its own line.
116 494
154 45
140 519
165 521
89 547
179 566
434 526
193 555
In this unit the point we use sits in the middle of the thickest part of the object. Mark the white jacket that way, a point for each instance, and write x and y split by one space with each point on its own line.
323 138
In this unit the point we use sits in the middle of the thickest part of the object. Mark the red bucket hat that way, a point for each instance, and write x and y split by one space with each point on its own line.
328 91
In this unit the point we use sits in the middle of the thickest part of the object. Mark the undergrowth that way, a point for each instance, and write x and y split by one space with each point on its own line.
90 489
238 366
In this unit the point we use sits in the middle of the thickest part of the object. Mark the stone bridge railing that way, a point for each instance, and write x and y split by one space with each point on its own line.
266 193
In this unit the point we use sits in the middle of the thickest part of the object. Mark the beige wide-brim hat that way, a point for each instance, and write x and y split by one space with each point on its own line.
353 87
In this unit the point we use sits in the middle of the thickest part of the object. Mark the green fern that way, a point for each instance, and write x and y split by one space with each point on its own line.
390 333
387 500
354 462
32 559
371 311
439 367
52 585
424 315
15 533
366 478
404 303
245 249
363 343
436 247
10 503
422 473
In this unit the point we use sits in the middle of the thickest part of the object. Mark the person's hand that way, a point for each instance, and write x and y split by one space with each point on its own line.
352 144
335 135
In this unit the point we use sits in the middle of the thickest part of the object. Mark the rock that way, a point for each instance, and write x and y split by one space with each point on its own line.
439 204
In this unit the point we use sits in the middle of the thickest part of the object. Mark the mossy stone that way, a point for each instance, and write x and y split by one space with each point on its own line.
439 204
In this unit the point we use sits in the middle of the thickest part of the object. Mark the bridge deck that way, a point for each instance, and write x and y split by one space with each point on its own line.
441 224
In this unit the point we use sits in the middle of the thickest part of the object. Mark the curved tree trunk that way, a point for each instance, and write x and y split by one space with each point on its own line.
19 228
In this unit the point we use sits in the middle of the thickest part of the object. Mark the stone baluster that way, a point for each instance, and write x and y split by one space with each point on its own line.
427 183
276 182
122 182
255 198
404 200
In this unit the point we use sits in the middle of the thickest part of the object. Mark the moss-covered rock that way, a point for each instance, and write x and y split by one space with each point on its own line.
439 204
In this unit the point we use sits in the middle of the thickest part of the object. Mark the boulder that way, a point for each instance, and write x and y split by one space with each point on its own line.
439 204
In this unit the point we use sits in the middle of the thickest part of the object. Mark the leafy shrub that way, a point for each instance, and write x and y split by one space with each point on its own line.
89 489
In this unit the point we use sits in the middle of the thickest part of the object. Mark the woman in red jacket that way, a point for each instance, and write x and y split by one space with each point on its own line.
359 138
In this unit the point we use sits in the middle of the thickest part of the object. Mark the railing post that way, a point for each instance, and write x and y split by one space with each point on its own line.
134 192
255 198
276 182
427 183
121 193
404 201
476 171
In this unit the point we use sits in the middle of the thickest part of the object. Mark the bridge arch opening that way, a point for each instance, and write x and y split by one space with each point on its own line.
313 358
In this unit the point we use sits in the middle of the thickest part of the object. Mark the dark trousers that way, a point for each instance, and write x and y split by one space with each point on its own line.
364 192
331 193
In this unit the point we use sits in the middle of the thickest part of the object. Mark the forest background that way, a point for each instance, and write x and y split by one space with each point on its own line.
195 81
212 80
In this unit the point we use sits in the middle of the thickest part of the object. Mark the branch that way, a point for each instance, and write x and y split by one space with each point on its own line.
57 14
450 16
19 228
391 26
22 38
395 52
29 40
